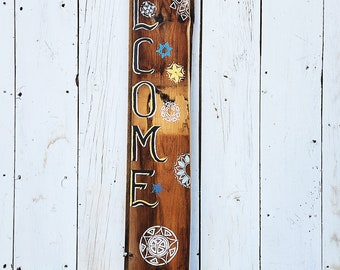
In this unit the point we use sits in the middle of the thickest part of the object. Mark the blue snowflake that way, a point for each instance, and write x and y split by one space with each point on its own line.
164 49
157 188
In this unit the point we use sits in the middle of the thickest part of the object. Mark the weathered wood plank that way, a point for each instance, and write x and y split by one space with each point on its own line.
230 135
331 135
103 79
46 152
291 134
6 131
158 203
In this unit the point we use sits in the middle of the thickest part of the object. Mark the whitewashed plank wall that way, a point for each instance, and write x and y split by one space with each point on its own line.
7 110
230 135
331 138
265 137
46 135
103 78
291 134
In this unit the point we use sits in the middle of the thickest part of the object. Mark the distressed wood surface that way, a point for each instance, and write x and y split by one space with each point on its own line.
46 135
291 134
103 80
158 190
7 101
331 138
230 135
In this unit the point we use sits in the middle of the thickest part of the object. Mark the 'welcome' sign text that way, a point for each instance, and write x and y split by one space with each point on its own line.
158 204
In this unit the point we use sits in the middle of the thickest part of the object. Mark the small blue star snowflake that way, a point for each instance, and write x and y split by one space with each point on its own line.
157 188
164 49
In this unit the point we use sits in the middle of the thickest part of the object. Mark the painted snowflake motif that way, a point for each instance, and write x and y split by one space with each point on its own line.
158 245
175 72
180 170
182 8
170 112
148 9
164 49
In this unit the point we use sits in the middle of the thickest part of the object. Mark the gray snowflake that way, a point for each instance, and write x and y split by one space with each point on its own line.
148 9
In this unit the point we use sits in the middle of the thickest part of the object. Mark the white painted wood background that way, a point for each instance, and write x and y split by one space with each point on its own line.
265 134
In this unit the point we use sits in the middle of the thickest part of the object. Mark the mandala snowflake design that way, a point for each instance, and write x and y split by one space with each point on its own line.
170 112
182 8
175 73
158 245
164 49
180 170
148 9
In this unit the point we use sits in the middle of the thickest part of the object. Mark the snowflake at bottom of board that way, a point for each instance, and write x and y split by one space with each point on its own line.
158 245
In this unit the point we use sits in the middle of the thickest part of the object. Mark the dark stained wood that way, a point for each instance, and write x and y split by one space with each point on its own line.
172 140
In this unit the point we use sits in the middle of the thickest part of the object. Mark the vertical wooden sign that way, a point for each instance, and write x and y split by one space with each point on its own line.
158 184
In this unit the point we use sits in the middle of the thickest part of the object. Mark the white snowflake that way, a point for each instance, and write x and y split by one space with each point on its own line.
181 166
148 9
170 112
182 8
158 245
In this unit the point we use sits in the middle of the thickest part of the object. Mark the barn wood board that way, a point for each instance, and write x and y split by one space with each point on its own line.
158 182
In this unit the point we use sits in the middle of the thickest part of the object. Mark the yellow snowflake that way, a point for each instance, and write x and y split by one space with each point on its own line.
175 72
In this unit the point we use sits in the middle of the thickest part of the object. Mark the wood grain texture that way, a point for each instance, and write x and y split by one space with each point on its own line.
170 206
7 101
230 135
46 139
291 134
331 135
103 90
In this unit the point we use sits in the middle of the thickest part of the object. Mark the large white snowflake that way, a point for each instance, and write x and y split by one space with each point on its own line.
158 245
182 8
